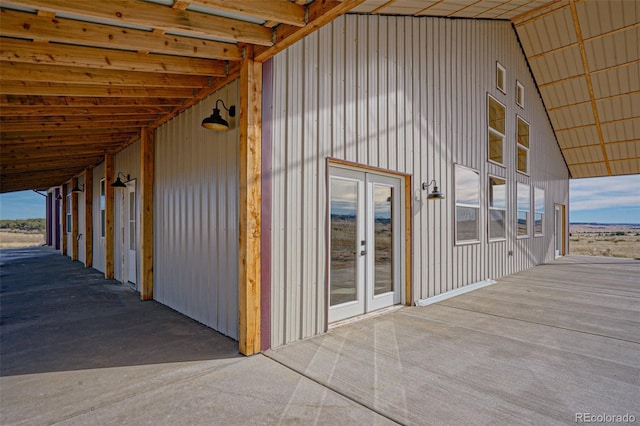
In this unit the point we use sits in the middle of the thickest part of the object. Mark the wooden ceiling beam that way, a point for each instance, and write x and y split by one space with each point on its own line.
60 163
23 51
283 11
30 26
84 101
82 119
42 180
91 132
22 88
71 75
52 127
138 13
320 13
14 156
30 111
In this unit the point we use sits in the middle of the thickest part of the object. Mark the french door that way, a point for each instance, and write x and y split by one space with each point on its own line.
365 242
131 233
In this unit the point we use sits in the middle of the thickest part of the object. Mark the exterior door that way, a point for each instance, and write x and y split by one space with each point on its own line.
559 230
366 231
131 232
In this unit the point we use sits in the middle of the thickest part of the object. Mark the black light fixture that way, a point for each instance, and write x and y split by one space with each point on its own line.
215 120
118 183
435 194
76 189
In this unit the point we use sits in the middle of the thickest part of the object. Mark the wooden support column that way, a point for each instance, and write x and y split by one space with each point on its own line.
146 216
88 218
250 204
63 234
74 220
109 214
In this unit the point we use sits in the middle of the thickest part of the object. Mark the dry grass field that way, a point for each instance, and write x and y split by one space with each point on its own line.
605 240
16 239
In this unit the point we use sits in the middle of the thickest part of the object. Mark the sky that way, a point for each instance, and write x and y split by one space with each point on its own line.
601 200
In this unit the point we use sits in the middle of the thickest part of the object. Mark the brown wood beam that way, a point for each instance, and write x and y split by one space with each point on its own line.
29 26
15 166
74 221
85 101
91 57
250 205
88 218
157 16
115 117
53 127
22 88
146 216
283 11
109 214
39 112
71 133
25 155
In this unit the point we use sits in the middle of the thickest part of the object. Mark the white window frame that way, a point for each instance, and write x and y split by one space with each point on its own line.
491 130
477 207
68 214
519 94
536 211
519 210
491 208
520 146
500 69
103 202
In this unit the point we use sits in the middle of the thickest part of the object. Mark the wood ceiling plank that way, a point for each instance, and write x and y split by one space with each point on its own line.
283 11
89 57
78 119
32 101
49 126
61 89
61 74
45 165
52 153
94 132
130 12
319 14
30 26
31 111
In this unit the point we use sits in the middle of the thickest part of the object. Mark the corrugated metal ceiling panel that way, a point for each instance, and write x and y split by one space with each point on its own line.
612 50
619 107
616 81
587 154
559 65
622 150
565 93
572 116
626 130
580 136
600 17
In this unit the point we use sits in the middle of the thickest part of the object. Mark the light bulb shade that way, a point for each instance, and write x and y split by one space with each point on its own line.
435 194
118 183
215 121
76 190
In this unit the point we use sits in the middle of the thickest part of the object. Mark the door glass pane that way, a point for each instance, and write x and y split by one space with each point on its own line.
132 220
383 233
344 226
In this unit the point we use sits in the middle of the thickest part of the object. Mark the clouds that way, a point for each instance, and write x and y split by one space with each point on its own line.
22 205
606 200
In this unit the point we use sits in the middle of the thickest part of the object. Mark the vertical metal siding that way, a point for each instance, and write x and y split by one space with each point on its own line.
98 241
196 216
409 95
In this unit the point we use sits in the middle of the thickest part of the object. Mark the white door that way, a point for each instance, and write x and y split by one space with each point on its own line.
366 229
131 233
559 231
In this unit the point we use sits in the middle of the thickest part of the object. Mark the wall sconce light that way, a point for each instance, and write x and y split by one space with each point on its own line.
118 183
59 197
435 194
76 189
215 121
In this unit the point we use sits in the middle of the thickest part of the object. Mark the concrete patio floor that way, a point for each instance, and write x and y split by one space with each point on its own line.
539 347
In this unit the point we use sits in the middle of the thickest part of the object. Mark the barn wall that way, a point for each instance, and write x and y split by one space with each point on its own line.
408 95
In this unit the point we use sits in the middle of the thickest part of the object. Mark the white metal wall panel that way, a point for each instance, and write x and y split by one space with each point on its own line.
126 161
196 216
409 95
98 240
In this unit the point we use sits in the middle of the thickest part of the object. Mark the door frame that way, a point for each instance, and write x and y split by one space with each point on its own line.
563 231
126 243
406 266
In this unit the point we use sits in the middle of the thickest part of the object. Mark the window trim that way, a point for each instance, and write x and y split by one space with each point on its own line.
456 205
103 193
528 235
518 146
499 68
68 217
489 208
520 90
535 211
496 132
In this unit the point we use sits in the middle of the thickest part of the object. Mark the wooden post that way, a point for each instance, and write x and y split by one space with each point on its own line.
146 216
63 234
88 218
109 213
74 220
250 204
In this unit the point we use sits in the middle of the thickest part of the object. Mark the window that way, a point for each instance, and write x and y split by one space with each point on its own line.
519 94
69 213
501 76
496 117
524 209
523 146
538 214
467 205
497 208
103 217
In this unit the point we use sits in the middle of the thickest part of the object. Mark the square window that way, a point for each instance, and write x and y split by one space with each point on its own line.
501 76
523 146
519 94
496 130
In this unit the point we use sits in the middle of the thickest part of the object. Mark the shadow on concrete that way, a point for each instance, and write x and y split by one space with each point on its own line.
56 315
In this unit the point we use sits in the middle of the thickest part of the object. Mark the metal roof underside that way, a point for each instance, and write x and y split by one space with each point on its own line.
79 79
